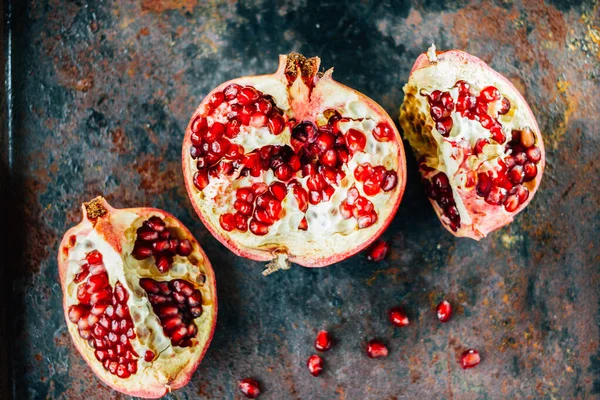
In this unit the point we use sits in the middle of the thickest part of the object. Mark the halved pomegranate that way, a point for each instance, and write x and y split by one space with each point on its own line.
479 147
293 166
139 297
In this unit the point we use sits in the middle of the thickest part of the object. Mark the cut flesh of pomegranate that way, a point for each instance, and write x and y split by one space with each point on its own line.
125 323
292 151
480 150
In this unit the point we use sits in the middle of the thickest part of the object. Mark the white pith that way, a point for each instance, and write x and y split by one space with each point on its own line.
172 364
328 233
478 217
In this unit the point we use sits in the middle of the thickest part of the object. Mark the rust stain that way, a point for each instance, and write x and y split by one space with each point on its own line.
340 391
160 6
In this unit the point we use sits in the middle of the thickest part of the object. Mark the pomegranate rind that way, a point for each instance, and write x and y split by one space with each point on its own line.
427 73
141 384
283 254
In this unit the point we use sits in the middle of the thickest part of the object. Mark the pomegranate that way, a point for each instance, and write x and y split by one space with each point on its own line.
323 341
315 365
376 349
469 359
139 297
249 387
444 311
480 150
398 317
293 166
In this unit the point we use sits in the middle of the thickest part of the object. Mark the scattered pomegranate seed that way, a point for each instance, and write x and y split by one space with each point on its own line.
315 365
376 349
470 358
378 251
398 317
249 387
444 311
383 132
149 355
323 341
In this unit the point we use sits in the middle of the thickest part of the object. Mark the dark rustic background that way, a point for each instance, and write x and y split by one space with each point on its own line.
96 98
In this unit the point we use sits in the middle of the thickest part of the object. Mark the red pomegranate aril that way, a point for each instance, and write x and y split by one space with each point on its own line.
383 132
530 171
496 196
315 365
355 141
378 251
216 99
323 341
94 257
245 194
479 145
232 129
199 125
489 94
329 158
436 112
259 188
279 190
444 311
325 141
258 228
372 185
227 222
497 134
345 210
247 95
362 172
303 225
470 358
534 154
249 387
390 180
352 195
364 221
76 312
504 107
215 132
376 349
243 207
301 198
231 91
527 137
516 174
201 179
284 172
273 209
276 124
263 106
511 203
258 120
444 126
184 248
314 197
398 317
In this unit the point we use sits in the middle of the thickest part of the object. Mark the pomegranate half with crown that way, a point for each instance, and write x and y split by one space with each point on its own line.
293 166
139 297
479 147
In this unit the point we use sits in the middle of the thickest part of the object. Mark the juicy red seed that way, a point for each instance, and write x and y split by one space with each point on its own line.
355 140
184 248
530 171
364 221
520 158
314 197
383 132
469 359
231 91
216 99
283 172
479 145
372 185
378 251
303 225
227 222
329 158
444 311
511 203
497 134
516 174
463 87
76 312
232 130
440 181
323 341
496 196
325 140
249 387
94 257
258 120
345 210
390 180
376 349
215 132
489 93
243 207
247 95
362 172
398 317
279 190
444 126
301 198
435 95
276 124
263 106
245 194
259 188
201 179
241 222
199 126
505 107
534 154
436 112
315 365
258 228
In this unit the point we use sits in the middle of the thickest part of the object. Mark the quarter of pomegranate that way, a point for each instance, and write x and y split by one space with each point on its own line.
293 166
139 297
479 147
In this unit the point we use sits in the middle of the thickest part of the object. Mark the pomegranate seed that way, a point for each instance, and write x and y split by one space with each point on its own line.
231 91
497 134
184 248
323 341
444 311
303 225
276 124
378 251
435 96
362 172
364 221
245 194
345 210
314 197
463 87
516 174
479 145
383 132
77 312
372 185
398 317
469 359
244 209
258 120
496 196
489 93
249 387
436 112
278 190
301 198
258 228
444 126
355 140
329 158
247 95
199 126
315 365
530 171
390 180
376 349
215 132
259 188
94 257
227 222
201 179
284 172
216 99
505 106
352 195
511 203
534 154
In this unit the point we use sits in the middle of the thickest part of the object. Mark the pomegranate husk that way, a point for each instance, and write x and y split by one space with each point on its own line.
485 220
100 216
281 257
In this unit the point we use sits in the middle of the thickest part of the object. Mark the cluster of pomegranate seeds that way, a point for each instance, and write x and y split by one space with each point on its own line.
323 341
315 365
398 317
316 152
176 303
505 188
155 239
438 189
358 207
469 358
376 349
249 387
378 251
444 311
103 318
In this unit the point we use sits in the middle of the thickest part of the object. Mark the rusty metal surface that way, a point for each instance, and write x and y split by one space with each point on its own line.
103 91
